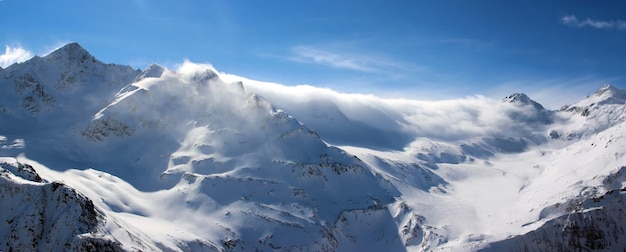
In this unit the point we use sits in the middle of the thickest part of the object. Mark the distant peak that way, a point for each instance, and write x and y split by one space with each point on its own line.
154 71
71 51
607 88
205 75
73 48
521 99
517 97
606 95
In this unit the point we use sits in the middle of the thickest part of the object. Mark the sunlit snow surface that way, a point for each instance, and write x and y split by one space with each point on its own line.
194 159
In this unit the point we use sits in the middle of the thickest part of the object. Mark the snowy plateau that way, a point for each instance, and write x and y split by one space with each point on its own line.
103 157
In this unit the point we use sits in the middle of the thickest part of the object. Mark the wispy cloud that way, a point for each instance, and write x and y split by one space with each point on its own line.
356 59
363 69
310 54
13 55
573 21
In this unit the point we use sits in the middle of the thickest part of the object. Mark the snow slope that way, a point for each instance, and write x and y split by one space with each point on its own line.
196 160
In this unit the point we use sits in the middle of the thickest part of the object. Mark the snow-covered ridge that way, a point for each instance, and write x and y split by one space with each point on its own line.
39 215
522 99
68 80
191 159
595 113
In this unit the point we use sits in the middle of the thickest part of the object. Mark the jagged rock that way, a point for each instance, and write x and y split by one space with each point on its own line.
523 100
45 216
597 224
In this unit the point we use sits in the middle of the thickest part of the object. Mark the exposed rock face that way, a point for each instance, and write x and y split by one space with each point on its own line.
46 216
522 100
597 224
68 78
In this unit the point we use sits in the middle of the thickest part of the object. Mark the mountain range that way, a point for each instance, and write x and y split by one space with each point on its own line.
104 157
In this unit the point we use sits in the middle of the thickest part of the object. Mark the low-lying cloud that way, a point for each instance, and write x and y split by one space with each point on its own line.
370 121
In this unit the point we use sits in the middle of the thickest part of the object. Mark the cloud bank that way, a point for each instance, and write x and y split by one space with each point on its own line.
573 21
14 55
374 122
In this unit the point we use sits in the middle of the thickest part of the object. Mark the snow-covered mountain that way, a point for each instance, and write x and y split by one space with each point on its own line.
97 156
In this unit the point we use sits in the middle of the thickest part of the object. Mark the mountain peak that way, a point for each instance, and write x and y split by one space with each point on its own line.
72 46
522 99
603 103
607 94
154 71
71 51
609 90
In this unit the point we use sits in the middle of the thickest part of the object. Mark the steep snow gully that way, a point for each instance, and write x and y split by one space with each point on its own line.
102 157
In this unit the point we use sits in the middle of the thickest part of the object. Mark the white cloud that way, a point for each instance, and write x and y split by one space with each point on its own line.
344 118
14 55
572 20
362 68
378 123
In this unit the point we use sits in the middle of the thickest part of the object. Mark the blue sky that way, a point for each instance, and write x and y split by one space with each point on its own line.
555 51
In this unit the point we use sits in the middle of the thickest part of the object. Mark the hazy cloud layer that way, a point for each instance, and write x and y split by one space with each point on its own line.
13 55
328 111
573 21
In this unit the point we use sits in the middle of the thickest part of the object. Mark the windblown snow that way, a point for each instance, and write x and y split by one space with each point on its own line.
97 156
